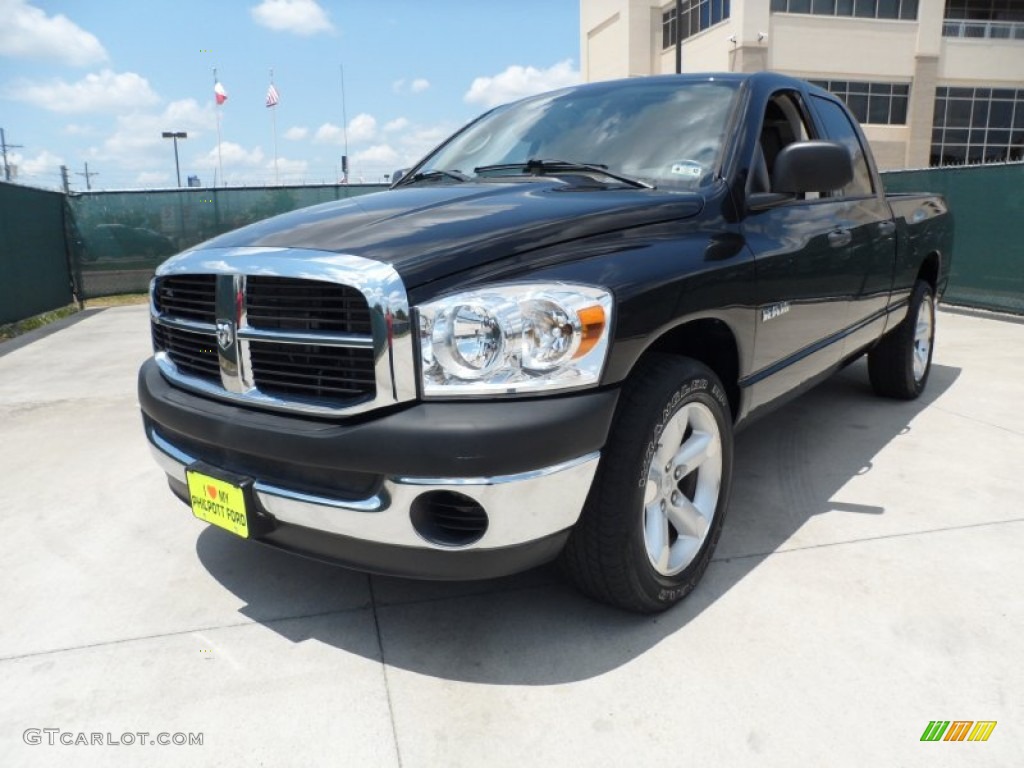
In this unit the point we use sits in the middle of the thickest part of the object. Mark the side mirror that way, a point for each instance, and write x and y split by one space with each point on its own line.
812 166
398 175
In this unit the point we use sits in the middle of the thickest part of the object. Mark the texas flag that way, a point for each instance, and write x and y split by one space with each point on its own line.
219 93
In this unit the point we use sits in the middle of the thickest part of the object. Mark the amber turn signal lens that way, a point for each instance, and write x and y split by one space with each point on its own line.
592 320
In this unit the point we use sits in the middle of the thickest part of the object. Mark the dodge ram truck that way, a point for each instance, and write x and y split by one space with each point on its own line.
538 343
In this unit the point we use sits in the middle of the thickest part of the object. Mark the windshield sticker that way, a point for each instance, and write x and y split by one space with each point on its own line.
689 168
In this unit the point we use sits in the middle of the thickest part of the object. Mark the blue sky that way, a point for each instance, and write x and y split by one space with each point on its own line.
97 81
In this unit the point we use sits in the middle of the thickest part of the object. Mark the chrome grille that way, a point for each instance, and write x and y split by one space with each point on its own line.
287 343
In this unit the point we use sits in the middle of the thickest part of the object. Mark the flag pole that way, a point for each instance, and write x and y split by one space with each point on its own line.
220 160
273 122
344 119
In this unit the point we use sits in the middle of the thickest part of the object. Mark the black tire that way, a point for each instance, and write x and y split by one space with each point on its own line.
899 364
607 553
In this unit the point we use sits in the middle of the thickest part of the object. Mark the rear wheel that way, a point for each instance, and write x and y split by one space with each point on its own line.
899 365
655 511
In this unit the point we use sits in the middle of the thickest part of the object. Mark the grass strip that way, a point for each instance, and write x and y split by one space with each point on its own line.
15 329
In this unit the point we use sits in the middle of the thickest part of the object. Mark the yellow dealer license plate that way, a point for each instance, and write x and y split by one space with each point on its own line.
218 502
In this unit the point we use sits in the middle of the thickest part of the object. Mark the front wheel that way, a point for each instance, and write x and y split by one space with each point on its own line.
655 511
899 365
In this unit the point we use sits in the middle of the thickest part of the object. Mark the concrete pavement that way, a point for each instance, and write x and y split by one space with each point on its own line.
868 581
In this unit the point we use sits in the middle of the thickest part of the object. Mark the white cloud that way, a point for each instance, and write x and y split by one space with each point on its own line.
517 82
375 155
75 129
137 144
103 92
44 162
234 154
418 85
287 167
26 31
296 133
396 125
401 150
189 113
362 127
329 133
301 17
153 179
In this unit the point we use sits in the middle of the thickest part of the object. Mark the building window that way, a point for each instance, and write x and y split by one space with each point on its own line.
696 16
977 125
876 103
1000 19
985 10
864 9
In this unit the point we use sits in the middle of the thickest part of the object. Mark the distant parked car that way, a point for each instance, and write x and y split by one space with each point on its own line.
117 241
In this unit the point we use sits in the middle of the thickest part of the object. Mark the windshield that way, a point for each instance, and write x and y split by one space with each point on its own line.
668 134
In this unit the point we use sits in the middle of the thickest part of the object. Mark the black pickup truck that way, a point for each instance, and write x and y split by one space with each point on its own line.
539 342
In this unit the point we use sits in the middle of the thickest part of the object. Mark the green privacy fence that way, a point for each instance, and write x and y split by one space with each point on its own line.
119 238
34 274
988 247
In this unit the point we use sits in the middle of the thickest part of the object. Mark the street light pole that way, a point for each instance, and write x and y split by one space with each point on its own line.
176 135
679 37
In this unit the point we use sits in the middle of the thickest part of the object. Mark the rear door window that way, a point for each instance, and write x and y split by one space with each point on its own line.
839 129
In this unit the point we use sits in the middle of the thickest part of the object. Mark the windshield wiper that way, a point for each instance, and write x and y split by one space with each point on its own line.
540 167
432 175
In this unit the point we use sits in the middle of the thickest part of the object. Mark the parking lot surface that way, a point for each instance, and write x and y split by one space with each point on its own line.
869 581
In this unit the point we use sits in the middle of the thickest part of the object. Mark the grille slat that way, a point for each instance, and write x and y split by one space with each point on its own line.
309 305
194 353
354 383
304 361
191 297
312 370
317 391
352 374
301 372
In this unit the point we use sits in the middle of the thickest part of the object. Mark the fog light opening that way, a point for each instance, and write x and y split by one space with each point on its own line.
448 518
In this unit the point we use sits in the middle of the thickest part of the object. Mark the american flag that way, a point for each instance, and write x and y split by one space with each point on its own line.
272 97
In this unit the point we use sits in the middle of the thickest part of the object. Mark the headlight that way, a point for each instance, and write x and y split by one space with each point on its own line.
534 337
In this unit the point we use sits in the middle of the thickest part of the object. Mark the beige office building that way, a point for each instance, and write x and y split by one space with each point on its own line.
934 82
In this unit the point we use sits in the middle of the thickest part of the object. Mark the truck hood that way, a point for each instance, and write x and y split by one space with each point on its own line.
430 232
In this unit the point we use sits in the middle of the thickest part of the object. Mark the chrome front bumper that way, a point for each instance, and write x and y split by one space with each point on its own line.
521 508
